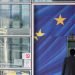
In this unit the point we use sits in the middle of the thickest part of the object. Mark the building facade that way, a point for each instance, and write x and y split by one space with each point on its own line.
15 37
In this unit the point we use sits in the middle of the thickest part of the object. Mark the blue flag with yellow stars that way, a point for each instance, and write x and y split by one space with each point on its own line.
52 25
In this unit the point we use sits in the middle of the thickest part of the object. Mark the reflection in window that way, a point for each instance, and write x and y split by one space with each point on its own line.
16 18
14 47
1 55
17 46
25 16
1 50
4 16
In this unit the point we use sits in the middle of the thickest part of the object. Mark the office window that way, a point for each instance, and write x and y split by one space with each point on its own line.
15 36
1 50
25 45
1 55
26 17
1 42
4 16
11 50
16 18
17 46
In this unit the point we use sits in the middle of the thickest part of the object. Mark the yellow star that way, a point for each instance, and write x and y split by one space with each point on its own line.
40 33
35 37
60 20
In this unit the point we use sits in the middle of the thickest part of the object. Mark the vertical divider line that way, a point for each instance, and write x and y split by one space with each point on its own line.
32 39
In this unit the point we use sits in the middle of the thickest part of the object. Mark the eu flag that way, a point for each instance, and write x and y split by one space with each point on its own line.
52 25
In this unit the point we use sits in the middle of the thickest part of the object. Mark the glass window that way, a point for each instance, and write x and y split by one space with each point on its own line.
26 17
1 42
1 55
15 19
21 0
16 16
71 43
1 50
16 47
26 45
11 50
4 16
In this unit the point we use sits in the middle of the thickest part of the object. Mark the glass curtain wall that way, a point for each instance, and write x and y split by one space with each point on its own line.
15 37
14 20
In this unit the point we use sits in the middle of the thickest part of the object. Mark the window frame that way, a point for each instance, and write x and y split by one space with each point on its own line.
29 35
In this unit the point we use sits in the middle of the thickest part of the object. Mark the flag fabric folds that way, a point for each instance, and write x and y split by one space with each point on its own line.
52 25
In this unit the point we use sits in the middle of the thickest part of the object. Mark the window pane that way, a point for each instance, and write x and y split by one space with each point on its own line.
1 50
26 17
16 47
15 19
1 55
1 42
16 16
11 50
4 16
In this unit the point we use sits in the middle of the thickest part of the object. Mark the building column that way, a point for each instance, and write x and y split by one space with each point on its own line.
5 50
